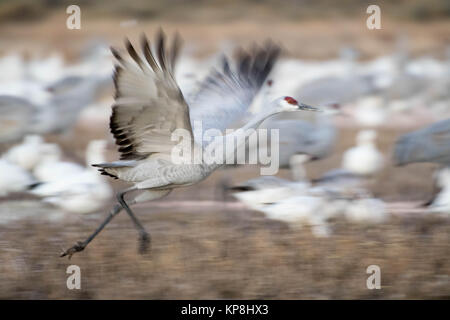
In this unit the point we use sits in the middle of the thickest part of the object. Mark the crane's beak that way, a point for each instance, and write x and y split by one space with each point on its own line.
302 106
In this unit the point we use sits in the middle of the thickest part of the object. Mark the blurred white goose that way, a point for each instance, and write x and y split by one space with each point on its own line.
95 61
367 211
13 178
257 192
13 68
370 112
27 154
51 167
299 211
46 70
79 189
342 183
314 208
440 203
364 159
296 203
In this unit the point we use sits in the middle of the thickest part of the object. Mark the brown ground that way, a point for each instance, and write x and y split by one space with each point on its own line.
310 39
222 253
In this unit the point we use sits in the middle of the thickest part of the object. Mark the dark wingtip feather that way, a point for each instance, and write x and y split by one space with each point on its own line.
116 54
104 173
160 40
157 59
254 66
133 54
175 50
146 48
116 75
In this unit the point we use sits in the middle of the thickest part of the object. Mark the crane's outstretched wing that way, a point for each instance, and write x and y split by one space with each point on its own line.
431 144
224 97
149 105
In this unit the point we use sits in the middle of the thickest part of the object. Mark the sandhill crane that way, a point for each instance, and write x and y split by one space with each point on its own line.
69 96
429 144
315 138
336 89
150 106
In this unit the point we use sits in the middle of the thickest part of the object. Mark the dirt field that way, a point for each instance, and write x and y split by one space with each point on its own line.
302 38
220 252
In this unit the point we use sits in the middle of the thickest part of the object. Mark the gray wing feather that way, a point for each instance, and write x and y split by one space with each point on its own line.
149 105
225 95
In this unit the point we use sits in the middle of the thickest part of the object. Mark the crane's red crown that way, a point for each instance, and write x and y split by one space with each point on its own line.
291 100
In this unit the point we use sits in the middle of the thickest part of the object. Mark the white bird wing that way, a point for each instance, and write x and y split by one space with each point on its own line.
149 105
223 98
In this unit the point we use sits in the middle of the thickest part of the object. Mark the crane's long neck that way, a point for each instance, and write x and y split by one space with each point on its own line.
240 137
259 118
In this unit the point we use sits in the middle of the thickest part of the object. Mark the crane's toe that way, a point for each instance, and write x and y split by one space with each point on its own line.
144 243
79 246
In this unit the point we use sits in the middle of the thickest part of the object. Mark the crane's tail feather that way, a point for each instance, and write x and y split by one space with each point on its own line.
103 167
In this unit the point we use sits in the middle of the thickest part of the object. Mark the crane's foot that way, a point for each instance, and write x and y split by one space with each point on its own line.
144 243
79 246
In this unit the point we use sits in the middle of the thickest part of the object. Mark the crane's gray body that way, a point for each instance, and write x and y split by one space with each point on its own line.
331 90
430 144
315 139
70 95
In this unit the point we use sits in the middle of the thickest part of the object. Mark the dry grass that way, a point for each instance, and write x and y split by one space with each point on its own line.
228 255
218 253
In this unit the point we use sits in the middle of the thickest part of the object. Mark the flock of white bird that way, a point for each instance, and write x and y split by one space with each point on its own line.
338 193
41 96
38 168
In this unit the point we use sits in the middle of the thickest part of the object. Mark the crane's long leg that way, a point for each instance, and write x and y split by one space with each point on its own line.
80 245
144 236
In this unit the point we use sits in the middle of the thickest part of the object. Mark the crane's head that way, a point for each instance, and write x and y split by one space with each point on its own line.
286 103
